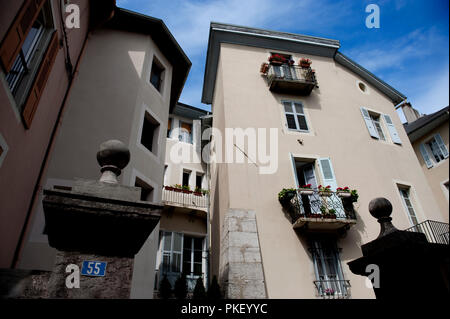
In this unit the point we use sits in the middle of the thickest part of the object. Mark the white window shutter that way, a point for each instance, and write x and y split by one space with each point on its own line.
372 131
295 170
392 130
328 176
197 127
441 144
426 157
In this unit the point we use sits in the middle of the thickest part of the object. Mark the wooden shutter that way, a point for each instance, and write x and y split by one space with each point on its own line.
197 124
40 80
328 177
17 33
441 144
426 157
392 130
372 131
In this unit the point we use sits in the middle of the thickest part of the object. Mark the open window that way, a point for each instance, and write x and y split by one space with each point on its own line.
147 190
379 124
150 133
157 74
405 195
185 132
433 150
27 54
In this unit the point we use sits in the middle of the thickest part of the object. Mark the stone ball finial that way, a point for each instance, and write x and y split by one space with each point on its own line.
112 156
381 209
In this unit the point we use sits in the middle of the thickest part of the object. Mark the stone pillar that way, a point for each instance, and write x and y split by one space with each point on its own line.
409 266
98 221
241 271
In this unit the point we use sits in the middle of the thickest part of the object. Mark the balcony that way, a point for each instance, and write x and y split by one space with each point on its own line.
436 232
333 289
289 79
184 198
321 211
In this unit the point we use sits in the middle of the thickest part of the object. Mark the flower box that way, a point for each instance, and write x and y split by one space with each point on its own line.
198 194
178 190
343 194
187 191
325 193
306 191
169 188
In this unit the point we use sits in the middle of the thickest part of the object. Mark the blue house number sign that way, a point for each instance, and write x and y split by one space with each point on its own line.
93 268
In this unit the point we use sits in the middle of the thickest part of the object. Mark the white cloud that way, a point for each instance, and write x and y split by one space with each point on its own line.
394 53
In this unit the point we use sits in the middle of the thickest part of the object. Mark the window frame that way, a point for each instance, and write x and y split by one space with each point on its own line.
376 119
157 62
24 84
429 149
295 115
413 217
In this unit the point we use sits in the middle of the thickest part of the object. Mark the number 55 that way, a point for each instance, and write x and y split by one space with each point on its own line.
97 268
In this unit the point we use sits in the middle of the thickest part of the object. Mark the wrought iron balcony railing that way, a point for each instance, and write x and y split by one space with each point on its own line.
287 78
436 232
314 209
184 198
333 289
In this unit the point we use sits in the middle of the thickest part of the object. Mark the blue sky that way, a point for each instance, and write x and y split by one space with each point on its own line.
410 50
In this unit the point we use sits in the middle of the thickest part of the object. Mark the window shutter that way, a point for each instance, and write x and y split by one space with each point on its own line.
426 157
294 169
328 177
372 131
392 131
41 79
197 134
17 33
441 144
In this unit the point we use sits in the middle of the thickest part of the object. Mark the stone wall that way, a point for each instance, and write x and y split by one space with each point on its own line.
241 271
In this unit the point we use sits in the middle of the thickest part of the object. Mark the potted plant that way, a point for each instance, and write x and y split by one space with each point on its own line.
205 192
329 291
198 191
264 68
305 63
186 189
331 214
325 190
177 188
343 192
285 195
306 190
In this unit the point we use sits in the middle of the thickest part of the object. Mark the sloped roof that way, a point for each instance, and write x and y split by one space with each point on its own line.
426 123
228 33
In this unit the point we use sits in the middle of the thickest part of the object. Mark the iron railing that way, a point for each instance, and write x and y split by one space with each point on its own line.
333 289
291 73
184 198
436 232
316 204
191 280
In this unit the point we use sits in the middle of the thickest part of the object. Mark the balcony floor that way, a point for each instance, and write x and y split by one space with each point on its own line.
322 223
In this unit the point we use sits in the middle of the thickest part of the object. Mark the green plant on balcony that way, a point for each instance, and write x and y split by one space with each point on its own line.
186 189
343 192
331 213
325 190
285 195
177 188
354 196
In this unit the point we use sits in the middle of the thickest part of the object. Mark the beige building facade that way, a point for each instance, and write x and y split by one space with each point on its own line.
129 81
336 126
429 137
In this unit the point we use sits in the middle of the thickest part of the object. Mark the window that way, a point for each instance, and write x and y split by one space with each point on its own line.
169 126
376 123
150 130
185 132
433 151
295 116
27 54
156 75
186 177
192 255
147 190
198 181
181 253
327 267
404 193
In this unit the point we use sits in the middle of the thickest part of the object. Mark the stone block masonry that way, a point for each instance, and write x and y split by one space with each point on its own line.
241 272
